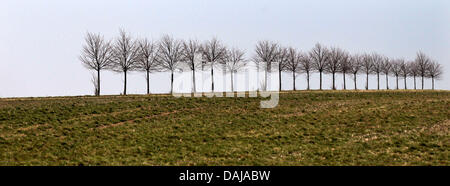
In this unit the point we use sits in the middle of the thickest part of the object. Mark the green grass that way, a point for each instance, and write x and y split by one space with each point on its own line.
306 128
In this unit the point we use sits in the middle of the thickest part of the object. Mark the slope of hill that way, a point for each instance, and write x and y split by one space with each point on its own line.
306 128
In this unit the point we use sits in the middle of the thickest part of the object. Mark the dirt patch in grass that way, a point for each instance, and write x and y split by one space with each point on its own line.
133 120
147 117
441 128
32 127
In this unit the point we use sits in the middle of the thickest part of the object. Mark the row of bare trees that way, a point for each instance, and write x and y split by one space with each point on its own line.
335 60
125 54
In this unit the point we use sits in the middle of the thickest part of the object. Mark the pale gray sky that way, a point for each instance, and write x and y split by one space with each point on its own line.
40 40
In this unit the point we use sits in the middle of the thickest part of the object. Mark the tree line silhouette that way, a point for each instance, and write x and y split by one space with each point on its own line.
124 54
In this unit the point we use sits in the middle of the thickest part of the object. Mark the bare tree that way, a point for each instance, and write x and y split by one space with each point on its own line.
345 65
96 55
356 63
318 56
266 54
404 71
125 56
282 59
377 61
332 64
293 64
170 56
147 60
367 65
422 64
386 69
434 72
191 49
234 61
413 71
213 52
305 66
396 69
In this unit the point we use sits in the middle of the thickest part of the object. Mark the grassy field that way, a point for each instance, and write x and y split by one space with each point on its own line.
306 128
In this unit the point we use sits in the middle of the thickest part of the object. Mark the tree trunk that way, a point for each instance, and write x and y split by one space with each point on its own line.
125 83
224 79
307 79
293 80
354 79
98 83
345 88
367 81
334 87
422 82
212 77
171 82
265 79
387 82
232 88
396 77
378 80
405 83
257 77
432 82
279 79
148 82
193 81
415 83
320 72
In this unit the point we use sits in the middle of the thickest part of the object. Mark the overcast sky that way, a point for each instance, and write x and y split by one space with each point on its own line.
40 41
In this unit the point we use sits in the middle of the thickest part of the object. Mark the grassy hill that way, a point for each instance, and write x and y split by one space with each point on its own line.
306 128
